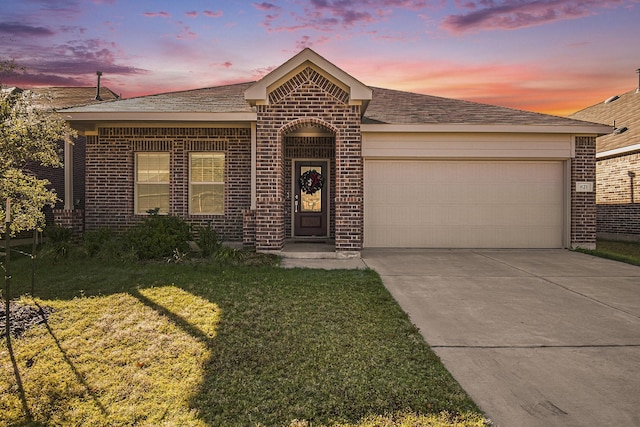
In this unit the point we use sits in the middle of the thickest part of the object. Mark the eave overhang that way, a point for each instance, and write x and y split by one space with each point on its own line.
618 151
141 116
586 129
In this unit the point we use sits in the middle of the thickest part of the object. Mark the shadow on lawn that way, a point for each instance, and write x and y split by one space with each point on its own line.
16 371
232 367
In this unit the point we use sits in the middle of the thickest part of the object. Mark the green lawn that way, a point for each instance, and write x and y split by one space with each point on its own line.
199 344
628 252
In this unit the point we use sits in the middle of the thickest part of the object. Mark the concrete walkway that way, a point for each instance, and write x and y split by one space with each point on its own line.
536 337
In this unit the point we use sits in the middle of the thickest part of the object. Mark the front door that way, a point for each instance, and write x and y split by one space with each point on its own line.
311 191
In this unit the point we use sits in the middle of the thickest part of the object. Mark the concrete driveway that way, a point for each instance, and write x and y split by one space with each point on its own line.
536 337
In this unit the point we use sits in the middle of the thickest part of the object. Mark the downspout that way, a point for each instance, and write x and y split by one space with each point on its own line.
68 175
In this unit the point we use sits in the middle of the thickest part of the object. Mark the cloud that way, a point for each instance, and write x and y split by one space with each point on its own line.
161 14
187 34
306 41
327 15
192 14
24 30
212 14
266 7
513 14
70 64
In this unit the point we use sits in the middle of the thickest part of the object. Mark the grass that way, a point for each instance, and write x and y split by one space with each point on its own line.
628 252
208 344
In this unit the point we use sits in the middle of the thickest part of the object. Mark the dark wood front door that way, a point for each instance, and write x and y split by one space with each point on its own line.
311 191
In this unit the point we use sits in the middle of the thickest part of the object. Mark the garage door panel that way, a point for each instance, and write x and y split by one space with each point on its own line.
499 204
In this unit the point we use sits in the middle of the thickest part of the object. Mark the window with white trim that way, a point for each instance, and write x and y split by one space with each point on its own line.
152 182
206 183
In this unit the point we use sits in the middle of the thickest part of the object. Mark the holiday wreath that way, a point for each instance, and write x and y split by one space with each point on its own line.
311 181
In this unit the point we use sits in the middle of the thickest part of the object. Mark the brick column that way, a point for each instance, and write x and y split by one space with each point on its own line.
73 219
583 205
269 216
349 191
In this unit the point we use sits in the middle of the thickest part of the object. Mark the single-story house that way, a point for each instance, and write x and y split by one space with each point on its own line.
310 152
617 165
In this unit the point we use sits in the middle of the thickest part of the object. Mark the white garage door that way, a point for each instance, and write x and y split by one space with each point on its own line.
464 204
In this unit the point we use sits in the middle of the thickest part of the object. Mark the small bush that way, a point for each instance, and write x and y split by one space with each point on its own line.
208 240
158 236
95 241
58 240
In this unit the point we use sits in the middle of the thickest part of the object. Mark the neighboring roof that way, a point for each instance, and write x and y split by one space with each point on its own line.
621 112
63 97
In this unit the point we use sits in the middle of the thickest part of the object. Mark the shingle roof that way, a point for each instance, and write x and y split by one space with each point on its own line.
398 107
386 107
63 97
624 111
221 99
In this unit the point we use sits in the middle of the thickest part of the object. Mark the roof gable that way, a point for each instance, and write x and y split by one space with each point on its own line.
621 112
259 93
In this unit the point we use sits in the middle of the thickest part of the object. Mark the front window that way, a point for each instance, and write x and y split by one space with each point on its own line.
152 182
206 183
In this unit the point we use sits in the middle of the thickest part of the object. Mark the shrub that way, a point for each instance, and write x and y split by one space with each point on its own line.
208 240
58 240
96 241
158 236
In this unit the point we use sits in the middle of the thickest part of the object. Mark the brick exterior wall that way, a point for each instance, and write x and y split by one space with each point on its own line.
583 208
110 174
618 197
308 99
73 219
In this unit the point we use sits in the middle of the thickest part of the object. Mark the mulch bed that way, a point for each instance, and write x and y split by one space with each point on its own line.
22 317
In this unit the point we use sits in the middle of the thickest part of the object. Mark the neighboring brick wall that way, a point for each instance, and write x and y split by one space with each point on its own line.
110 174
308 99
618 195
56 177
583 208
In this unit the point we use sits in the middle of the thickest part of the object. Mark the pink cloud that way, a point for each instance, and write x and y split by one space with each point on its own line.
264 6
327 15
192 14
186 34
513 14
212 14
160 14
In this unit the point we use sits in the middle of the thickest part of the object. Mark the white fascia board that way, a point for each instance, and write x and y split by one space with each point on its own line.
123 116
618 151
586 129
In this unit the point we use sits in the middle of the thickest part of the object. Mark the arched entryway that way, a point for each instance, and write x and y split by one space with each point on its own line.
309 180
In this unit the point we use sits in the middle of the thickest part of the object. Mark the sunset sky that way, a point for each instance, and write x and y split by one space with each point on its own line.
551 56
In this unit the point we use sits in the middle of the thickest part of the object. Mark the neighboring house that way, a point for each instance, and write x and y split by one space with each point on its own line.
309 152
618 165
55 98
